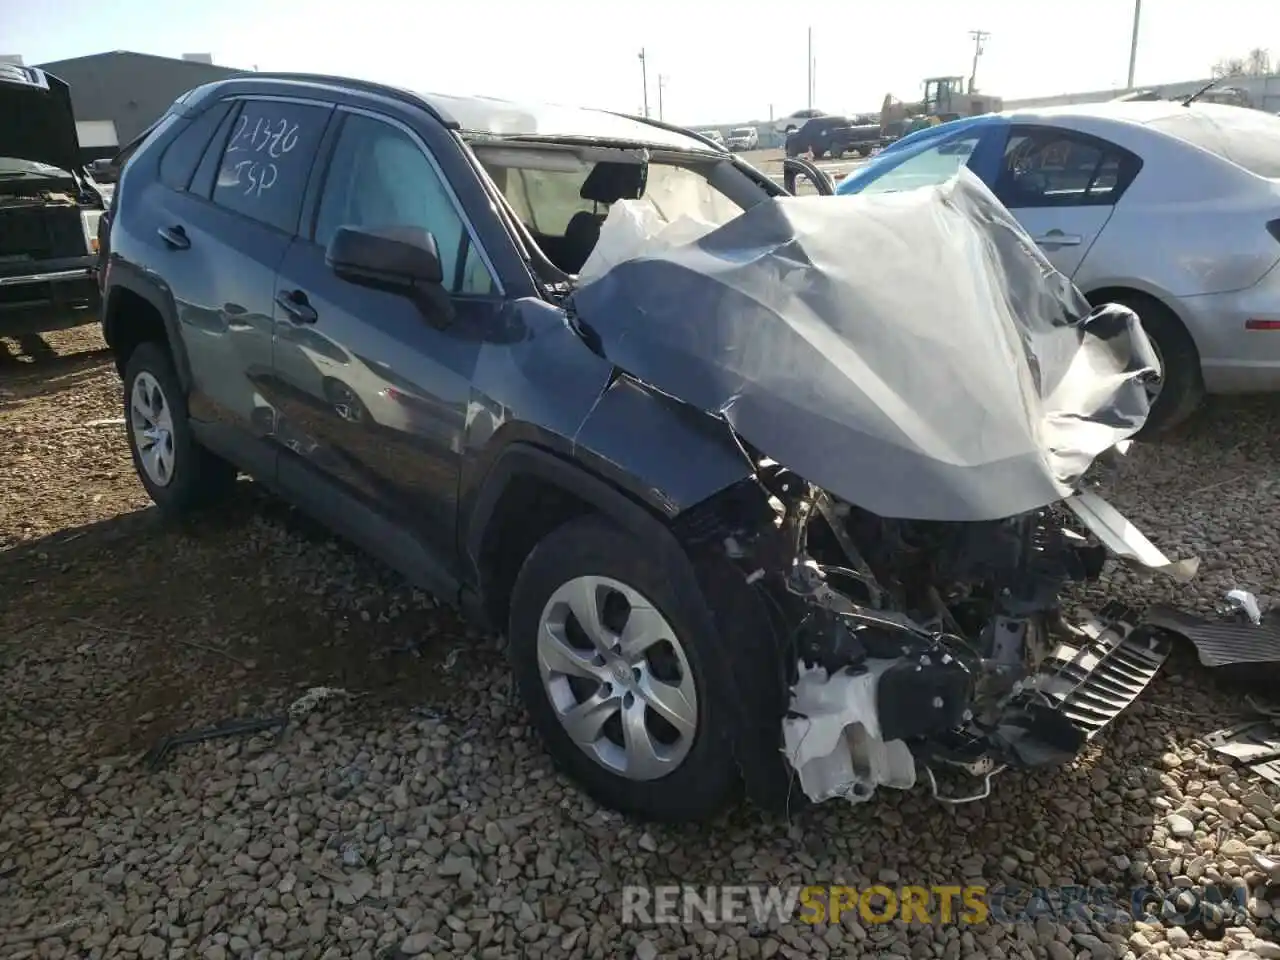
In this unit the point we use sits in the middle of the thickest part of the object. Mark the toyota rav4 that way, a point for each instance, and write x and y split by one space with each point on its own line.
760 489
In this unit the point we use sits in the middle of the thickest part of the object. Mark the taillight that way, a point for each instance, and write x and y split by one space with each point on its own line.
1273 228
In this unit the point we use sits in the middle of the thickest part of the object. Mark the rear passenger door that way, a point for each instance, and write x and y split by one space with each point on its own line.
226 233
1063 187
373 385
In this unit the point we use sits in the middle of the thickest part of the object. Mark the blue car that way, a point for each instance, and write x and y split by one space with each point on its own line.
934 154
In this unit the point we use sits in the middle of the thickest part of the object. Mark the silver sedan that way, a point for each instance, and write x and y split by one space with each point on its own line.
1172 210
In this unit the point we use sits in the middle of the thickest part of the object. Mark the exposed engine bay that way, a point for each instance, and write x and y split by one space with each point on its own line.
934 645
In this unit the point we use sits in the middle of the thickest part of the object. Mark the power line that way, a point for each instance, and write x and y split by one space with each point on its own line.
979 36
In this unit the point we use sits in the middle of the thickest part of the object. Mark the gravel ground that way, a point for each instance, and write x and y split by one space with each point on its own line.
419 816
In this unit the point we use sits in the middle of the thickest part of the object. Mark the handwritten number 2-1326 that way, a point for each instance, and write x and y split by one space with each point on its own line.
276 138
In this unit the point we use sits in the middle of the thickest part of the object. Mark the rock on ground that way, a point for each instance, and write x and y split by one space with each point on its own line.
420 816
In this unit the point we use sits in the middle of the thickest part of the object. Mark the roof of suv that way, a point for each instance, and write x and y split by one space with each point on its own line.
497 117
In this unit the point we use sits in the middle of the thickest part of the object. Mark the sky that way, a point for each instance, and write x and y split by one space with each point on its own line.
720 60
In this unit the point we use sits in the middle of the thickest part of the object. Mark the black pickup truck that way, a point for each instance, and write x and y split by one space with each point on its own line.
834 136
49 208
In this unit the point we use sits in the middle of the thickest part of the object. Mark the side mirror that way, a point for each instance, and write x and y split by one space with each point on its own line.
397 258
794 169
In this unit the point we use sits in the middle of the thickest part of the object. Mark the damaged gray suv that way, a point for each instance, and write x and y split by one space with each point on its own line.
762 490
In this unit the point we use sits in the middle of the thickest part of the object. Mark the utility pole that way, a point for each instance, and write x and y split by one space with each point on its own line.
1133 45
662 83
978 37
644 77
810 94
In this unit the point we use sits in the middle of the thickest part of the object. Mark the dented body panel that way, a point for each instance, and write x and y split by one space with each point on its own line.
912 353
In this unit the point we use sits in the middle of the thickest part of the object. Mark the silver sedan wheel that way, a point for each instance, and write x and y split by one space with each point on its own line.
1154 385
617 677
151 424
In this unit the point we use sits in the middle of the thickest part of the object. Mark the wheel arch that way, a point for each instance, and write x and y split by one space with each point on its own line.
1122 292
527 492
523 473
135 311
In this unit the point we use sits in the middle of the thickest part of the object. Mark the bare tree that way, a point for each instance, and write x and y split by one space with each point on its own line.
1258 63
1228 67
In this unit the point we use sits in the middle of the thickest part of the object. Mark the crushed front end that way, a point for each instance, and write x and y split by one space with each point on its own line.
919 394
936 650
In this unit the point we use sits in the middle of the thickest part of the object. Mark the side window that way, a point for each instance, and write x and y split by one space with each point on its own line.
178 163
380 177
263 170
935 165
1058 168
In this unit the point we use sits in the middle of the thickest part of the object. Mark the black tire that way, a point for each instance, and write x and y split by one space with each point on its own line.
837 153
705 780
199 478
819 153
864 152
1182 387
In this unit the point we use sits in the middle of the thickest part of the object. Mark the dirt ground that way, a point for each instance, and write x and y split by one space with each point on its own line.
423 818
139 629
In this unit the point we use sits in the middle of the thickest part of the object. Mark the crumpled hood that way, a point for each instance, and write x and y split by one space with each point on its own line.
36 119
913 353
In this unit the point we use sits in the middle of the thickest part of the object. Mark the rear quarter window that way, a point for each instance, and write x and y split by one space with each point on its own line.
1247 138
178 163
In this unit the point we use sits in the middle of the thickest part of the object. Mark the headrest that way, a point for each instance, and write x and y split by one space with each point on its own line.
610 181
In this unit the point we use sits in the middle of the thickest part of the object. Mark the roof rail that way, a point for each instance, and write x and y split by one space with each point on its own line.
669 127
367 86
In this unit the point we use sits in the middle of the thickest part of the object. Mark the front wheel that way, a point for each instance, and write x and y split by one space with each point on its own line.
614 672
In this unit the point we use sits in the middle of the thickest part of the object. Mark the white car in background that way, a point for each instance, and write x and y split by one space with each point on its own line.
715 136
794 121
1172 210
743 138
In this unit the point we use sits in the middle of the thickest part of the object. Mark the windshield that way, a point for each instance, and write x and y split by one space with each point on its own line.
545 188
742 132
12 168
1247 138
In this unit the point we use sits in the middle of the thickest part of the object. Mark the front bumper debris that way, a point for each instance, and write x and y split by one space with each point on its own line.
1027 689
1224 643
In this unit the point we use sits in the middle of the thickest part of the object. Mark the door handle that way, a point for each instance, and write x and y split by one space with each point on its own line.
175 236
1059 239
295 304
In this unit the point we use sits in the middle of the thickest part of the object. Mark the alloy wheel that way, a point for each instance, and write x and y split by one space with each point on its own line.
617 677
151 424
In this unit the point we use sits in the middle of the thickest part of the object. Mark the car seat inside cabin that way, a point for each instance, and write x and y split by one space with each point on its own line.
563 194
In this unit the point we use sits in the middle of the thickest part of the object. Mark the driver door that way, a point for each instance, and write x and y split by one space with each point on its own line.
372 385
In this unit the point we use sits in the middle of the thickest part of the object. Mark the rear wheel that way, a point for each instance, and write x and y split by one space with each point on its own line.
179 475
616 675
1181 388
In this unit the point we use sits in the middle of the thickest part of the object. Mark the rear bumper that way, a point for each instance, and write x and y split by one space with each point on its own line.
1234 358
49 294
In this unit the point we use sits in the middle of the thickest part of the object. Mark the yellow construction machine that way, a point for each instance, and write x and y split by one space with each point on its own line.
944 99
